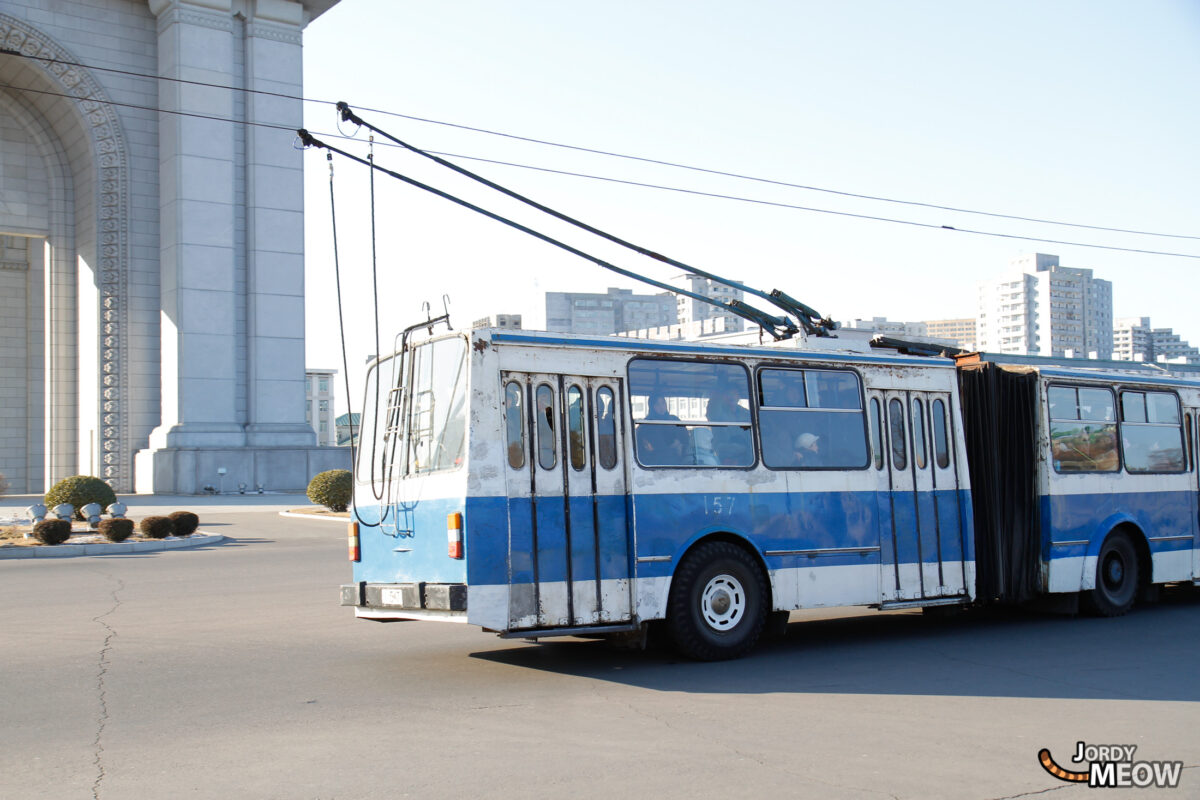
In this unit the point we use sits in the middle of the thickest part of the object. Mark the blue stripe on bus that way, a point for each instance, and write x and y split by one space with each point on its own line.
1089 517
666 523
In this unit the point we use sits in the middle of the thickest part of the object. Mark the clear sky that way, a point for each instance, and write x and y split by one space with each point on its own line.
1075 111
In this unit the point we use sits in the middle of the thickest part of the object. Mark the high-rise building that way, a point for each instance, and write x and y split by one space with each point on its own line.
612 312
1043 308
318 389
689 309
1135 340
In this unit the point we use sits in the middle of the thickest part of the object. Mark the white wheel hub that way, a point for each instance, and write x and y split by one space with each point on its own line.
723 602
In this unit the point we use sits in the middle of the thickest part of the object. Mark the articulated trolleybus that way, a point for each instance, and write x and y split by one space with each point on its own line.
541 484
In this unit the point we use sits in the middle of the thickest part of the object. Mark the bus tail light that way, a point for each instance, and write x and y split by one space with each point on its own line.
352 541
454 535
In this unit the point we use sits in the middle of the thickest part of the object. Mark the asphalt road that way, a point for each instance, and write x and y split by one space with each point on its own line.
230 671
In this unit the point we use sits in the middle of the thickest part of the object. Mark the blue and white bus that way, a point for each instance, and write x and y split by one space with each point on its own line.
540 484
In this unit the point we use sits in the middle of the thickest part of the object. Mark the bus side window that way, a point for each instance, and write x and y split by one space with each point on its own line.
575 434
941 448
1083 429
896 429
811 419
514 423
1151 432
606 428
545 426
918 428
876 428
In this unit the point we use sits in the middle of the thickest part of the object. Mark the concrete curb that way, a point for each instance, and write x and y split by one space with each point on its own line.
294 515
109 548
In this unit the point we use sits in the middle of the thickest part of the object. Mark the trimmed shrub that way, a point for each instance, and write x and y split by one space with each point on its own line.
156 527
3 484
79 490
185 522
116 530
333 488
52 531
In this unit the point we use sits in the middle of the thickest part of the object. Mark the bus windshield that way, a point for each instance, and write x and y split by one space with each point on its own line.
414 414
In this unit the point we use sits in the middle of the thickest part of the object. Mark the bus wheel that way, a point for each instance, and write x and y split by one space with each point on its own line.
718 603
1116 577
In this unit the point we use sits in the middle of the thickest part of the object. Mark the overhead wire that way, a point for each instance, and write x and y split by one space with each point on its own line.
766 321
809 319
696 192
643 159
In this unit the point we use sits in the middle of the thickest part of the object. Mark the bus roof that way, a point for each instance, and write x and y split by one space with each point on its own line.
1187 375
679 347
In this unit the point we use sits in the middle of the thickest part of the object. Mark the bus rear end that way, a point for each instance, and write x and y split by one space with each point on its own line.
407 538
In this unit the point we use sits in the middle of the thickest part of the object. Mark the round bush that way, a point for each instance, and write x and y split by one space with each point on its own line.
116 530
185 522
79 490
156 527
333 488
52 531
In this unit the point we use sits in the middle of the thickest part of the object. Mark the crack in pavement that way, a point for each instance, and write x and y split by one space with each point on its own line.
102 719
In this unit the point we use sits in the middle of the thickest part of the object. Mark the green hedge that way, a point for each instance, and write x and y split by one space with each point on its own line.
79 490
333 488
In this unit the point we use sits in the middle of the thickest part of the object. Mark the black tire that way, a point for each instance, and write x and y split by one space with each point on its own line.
1117 575
718 603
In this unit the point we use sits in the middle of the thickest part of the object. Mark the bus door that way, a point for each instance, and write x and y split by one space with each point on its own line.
569 538
924 557
1191 424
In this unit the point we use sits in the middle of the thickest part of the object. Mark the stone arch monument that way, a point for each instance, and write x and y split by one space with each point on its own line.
151 262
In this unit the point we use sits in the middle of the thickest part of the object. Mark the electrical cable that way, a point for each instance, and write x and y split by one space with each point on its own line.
355 450
696 192
806 320
816 210
613 154
746 312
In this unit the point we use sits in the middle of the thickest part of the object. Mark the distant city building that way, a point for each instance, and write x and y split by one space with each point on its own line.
885 325
348 426
961 331
913 331
1135 340
689 309
608 313
511 321
686 331
1043 308
318 388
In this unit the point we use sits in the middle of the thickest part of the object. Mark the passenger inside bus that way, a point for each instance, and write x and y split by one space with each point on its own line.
806 450
731 444
661 444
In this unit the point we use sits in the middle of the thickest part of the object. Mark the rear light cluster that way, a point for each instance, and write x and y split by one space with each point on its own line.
352 541
454 538
454 535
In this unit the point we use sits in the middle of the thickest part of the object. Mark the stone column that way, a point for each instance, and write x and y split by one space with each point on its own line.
198 206
274 229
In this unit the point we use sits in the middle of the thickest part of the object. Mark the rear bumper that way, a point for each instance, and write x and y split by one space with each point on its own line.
406 600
